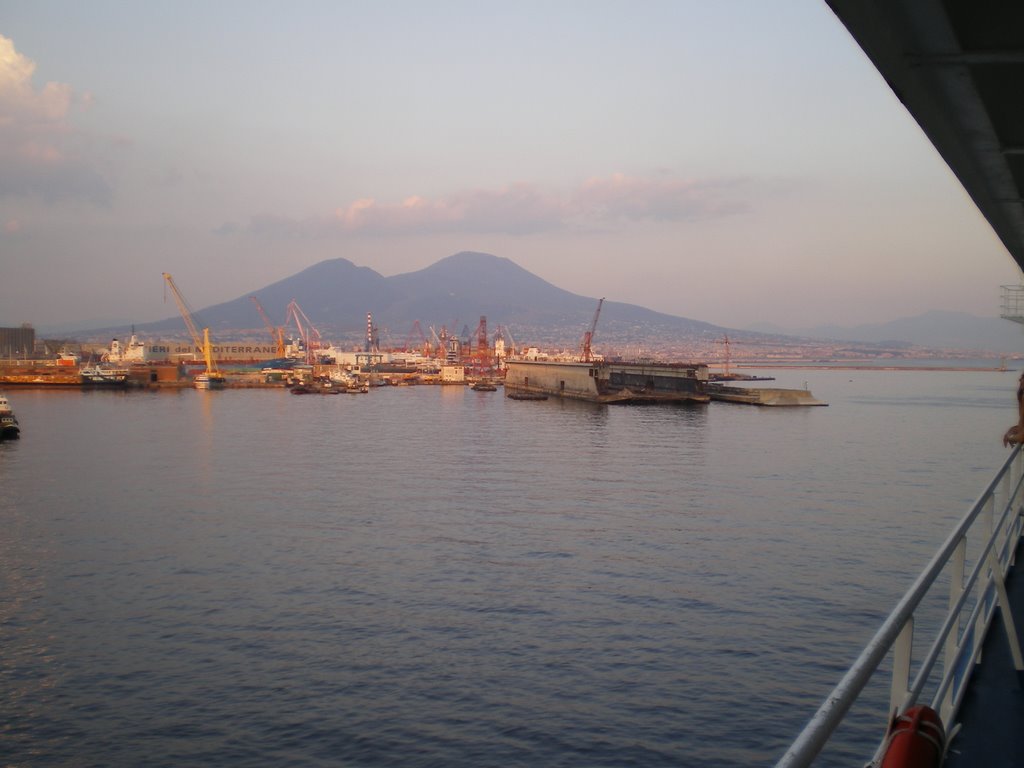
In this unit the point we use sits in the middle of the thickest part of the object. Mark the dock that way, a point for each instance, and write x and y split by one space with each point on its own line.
763 396
599 381
615 382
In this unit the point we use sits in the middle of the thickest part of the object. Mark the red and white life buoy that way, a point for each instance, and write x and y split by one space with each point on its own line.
916 740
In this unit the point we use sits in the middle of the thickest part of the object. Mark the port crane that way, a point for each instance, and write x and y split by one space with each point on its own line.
276 333
728 358
589 335
481 351
213 376
439 341
417 334
502 332
310 336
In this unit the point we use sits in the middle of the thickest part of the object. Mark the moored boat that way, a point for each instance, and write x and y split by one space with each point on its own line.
100 376
9 428
210 381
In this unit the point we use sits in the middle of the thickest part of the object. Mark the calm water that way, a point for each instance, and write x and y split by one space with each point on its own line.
438 577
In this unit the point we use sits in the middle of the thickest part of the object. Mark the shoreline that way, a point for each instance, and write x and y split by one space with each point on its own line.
872 367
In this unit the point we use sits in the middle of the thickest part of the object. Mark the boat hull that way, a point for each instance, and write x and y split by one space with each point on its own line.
204 381
9 429
103 377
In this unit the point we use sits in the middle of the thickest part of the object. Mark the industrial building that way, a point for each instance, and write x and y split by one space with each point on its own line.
18 342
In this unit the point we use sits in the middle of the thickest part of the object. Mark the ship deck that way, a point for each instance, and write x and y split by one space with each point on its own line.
992 712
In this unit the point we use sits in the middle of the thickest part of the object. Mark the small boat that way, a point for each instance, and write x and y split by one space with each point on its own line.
9 429
98 376
483 386
210 381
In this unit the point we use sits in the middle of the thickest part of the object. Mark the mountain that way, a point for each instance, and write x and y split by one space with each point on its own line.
454 292
457 291
937 329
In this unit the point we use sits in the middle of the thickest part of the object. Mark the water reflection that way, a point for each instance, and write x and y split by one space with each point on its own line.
434 576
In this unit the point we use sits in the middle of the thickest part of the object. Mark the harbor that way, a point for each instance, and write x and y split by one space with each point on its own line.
597 381
307 364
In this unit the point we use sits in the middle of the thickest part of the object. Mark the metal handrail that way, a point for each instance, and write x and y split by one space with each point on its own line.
986 582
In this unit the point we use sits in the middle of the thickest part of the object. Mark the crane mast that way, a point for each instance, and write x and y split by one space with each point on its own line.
589 335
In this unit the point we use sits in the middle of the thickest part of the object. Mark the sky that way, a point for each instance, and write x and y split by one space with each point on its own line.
737 162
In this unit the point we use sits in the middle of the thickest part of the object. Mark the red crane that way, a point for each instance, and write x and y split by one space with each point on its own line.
416 334
481 354
589 335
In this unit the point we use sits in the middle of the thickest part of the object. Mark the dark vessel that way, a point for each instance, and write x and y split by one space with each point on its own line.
99 376
9 429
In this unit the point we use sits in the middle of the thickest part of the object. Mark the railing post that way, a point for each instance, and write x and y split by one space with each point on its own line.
984 525
951 647
901 652
996 576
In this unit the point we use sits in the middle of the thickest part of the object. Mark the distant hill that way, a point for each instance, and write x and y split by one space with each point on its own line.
937 329
454 292
457 291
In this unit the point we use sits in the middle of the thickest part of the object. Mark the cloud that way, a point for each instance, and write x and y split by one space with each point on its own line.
38 146
660 199
517 209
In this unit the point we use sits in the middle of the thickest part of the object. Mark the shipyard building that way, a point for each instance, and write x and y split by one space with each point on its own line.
17 342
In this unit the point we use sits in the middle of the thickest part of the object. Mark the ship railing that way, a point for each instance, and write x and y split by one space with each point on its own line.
973 562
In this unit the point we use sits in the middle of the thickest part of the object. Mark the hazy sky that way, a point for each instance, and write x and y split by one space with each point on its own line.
727 161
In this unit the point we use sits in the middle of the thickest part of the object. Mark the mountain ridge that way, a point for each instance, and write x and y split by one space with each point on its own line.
935 328
456 291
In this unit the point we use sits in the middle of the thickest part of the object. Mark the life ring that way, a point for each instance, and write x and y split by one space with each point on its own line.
916 740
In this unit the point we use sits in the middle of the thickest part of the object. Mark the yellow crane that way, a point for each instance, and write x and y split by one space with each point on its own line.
212 378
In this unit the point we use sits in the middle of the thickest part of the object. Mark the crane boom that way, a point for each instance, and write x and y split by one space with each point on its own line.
310 336
277 334
202 342
589 335
186 315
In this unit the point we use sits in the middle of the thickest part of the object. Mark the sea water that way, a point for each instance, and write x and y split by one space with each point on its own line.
432 576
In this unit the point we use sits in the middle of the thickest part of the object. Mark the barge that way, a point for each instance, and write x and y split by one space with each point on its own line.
600 381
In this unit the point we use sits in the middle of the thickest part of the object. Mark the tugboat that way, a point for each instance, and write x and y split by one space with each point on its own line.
9 429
